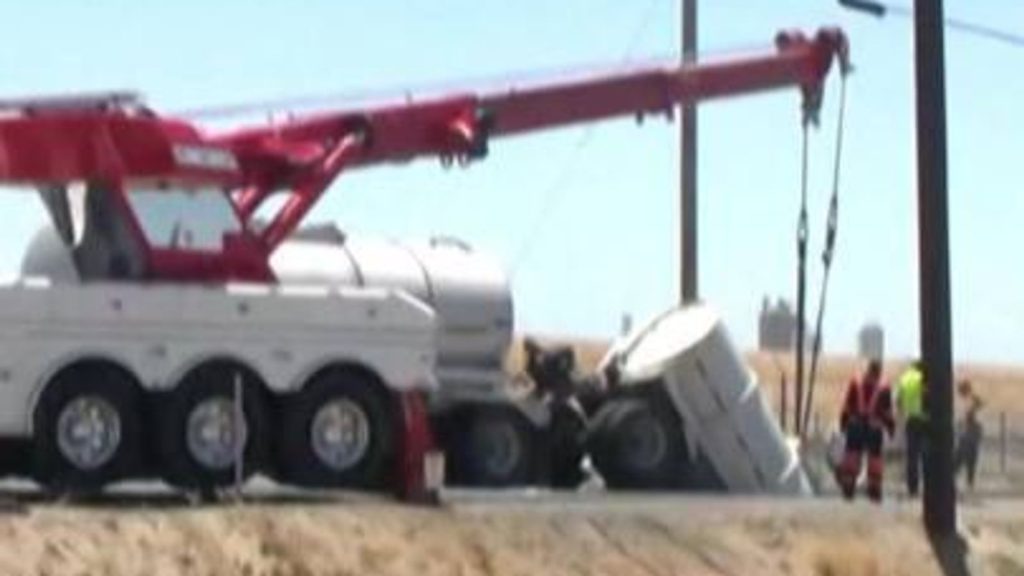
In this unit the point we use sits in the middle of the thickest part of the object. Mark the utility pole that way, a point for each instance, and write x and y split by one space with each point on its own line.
933 253
688 166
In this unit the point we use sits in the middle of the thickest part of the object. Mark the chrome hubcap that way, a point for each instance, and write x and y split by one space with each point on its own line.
340 434
88 432
213 435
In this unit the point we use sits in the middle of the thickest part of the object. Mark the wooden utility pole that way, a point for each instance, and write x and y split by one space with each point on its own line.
688 166
939 500
933 253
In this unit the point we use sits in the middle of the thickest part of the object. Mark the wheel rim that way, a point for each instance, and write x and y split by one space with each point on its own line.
340 434
88 432
211 433
499 447
646 443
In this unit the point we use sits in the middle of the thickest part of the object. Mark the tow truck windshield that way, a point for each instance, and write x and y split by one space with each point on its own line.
184 218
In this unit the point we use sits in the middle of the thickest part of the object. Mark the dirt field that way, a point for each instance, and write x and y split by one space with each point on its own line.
1001 387
678 537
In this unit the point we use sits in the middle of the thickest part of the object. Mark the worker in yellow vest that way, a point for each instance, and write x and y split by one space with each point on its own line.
910 393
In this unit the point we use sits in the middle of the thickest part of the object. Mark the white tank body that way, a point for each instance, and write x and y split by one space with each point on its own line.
47 257
724 413
468 290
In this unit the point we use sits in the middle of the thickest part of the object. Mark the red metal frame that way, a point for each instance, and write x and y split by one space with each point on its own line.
116 141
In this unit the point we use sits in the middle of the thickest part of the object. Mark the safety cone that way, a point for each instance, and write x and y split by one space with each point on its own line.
422 465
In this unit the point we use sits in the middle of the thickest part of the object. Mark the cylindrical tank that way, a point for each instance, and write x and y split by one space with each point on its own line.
48 257
690 352
468 290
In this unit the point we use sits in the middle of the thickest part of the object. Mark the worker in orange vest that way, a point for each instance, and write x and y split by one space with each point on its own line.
866 417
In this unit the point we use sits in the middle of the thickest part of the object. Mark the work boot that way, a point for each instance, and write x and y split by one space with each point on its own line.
849 489
875 494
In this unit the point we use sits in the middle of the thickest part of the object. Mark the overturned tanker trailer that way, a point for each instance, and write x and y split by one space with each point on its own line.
681 409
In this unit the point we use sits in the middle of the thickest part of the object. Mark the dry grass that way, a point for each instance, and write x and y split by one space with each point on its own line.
372 538
589 352
847 561
1001 387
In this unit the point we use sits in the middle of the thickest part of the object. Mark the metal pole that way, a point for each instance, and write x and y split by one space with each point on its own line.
1002 442
800 323
688 166
933 251
783 392
239 422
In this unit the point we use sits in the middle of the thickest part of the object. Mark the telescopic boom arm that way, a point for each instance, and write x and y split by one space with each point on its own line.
111 143
309 153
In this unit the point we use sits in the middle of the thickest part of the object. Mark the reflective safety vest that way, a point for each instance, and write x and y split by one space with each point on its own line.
910 394
868 404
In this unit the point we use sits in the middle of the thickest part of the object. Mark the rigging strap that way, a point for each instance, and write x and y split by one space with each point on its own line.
831 229
801 280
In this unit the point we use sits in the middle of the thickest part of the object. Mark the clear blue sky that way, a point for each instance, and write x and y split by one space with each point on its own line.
601 215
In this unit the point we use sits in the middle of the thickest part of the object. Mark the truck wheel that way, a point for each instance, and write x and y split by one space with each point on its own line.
637 444
87 430
339 432
495 449
197 443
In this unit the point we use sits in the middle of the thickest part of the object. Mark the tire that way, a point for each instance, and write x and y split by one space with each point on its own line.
637 444
566 439
494 447
82 396
205 394
355 401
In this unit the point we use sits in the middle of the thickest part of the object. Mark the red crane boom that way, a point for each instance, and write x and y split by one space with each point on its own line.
116 144
461 126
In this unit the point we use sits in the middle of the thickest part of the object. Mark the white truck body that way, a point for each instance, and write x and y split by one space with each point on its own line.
724 415
158 332
467 289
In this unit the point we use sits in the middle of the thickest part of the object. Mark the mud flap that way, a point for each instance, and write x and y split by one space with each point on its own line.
418 452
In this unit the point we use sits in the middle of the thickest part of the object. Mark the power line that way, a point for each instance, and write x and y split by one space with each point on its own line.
1016 40
403 92
558 187
881 9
